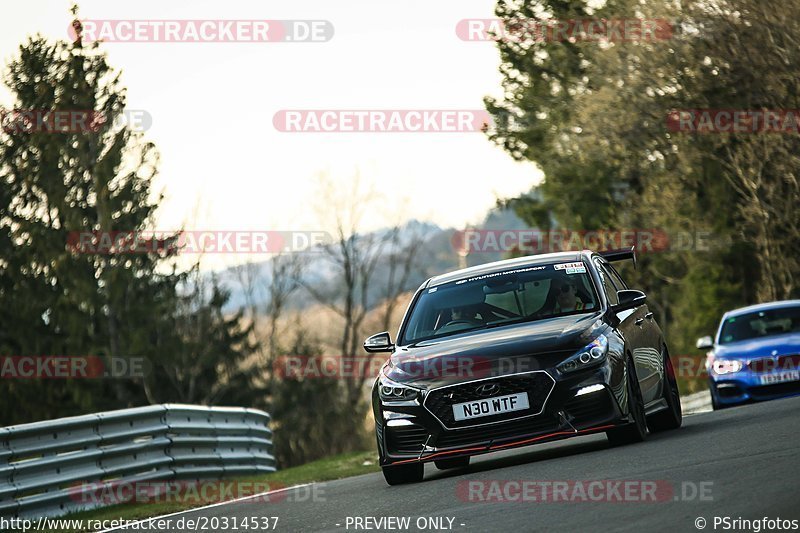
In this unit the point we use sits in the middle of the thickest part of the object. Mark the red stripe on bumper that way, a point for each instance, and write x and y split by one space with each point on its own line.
508 444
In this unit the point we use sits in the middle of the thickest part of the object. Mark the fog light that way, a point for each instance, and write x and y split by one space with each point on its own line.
399 422
590 389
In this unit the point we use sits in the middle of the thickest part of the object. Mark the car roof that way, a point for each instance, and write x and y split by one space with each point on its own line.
506 264
762 307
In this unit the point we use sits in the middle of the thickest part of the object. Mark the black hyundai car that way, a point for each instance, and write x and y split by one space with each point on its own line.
519 352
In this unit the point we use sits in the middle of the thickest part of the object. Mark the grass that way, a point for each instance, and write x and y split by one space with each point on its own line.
330 468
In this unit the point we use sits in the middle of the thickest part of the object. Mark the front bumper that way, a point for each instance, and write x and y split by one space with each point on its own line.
422 431
746 386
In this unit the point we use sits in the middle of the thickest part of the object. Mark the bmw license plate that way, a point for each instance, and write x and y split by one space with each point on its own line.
769 379
491 406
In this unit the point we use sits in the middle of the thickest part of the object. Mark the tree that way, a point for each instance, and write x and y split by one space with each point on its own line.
308 411
60 295
593 116
206 359
354 257
401 261
310 417
358 259
95 179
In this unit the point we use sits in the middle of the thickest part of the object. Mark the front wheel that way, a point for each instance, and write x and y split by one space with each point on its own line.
401 474
636 431
672 416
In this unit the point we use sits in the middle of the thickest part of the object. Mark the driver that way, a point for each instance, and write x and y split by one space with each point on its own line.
461 313
567 298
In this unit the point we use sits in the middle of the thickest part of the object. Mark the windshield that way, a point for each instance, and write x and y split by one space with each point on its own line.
520 295
760 324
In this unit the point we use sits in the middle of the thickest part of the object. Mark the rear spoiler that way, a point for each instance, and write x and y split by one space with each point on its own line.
620 255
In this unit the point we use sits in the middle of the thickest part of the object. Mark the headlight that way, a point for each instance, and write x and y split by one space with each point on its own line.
726 366
389 391
590 355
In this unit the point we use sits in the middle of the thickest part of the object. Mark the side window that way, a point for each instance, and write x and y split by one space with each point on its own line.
608 284
616 278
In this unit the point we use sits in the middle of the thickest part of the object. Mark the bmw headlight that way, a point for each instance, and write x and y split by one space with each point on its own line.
390 391
726 366
590 355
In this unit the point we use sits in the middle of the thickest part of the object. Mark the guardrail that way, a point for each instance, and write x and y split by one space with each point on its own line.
45 466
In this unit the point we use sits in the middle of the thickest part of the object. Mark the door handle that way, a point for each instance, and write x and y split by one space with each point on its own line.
639 321
649 315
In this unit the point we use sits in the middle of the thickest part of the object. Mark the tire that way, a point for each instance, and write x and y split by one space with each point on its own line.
636 431
402 474
672 416
455 462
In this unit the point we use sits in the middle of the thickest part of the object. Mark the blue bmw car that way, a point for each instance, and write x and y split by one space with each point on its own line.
755 355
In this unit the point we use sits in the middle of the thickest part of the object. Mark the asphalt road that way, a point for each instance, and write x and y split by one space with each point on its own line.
740 463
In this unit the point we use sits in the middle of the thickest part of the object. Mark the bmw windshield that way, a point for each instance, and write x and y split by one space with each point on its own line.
501 298
763 323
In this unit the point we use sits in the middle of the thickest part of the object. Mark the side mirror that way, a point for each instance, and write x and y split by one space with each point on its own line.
380 342
628 299
705 343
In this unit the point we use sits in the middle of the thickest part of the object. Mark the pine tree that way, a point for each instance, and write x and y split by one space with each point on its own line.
61 297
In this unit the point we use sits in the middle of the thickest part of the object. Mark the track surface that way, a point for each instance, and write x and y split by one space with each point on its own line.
749 453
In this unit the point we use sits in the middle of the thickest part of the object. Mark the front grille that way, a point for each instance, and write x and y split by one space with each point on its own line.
768 364
775 389
537 384
497 432
406 439
589 408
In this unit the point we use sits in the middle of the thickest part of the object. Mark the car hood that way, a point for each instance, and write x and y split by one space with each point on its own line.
786 344
498 351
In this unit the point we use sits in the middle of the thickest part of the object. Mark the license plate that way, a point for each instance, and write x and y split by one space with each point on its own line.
491 406
769 379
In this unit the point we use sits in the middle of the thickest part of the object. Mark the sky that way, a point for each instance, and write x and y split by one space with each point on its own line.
223 164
